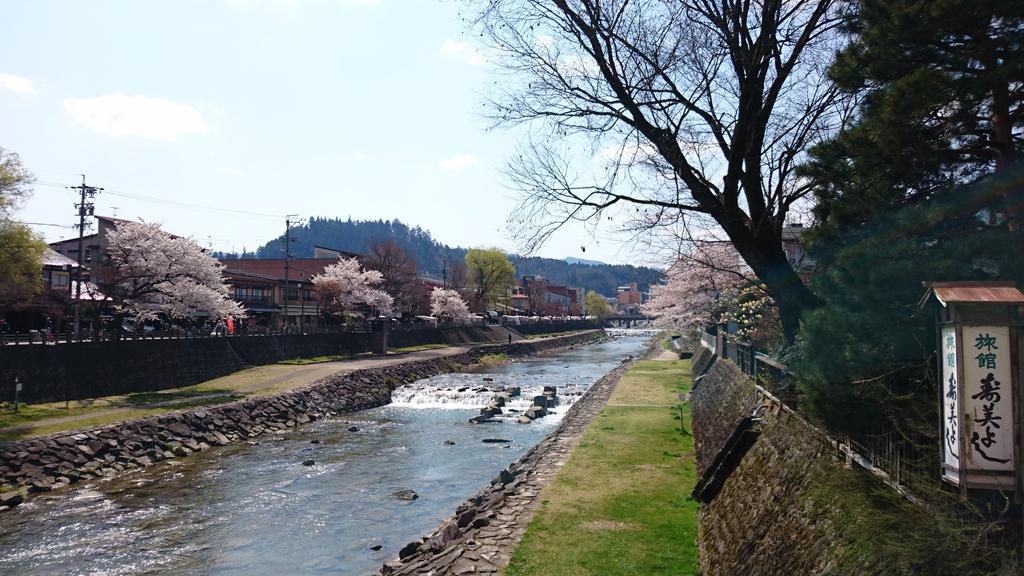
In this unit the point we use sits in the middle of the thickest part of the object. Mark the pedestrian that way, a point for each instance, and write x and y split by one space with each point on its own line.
510 338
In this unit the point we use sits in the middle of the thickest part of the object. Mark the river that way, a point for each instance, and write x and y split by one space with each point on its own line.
256 509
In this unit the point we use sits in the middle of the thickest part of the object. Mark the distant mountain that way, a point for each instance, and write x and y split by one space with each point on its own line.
584 261
431 256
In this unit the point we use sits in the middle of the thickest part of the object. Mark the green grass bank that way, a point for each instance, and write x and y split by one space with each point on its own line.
620 505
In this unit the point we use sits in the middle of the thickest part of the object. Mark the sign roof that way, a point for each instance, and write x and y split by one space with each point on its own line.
976 292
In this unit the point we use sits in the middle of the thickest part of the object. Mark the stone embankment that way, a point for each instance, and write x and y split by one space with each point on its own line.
51 462
480 537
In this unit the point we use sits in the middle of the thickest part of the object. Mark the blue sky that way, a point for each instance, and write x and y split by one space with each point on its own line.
370 109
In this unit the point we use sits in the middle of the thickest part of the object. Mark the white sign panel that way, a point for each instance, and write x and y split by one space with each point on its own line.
950 408
988 399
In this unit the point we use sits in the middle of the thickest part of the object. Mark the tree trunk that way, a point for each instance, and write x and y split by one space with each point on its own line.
764 254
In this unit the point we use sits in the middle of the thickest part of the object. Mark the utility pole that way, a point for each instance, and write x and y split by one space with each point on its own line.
287 258
85 208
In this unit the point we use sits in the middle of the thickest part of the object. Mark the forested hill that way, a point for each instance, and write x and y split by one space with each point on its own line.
430 255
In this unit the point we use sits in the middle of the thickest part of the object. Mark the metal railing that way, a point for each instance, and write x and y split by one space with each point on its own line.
885 452
42 337
67 337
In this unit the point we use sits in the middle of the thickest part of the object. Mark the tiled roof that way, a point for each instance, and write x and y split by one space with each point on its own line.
116 221
85 238
298 268
53 258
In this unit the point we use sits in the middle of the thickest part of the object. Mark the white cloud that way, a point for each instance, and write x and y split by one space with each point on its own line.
17 84
120 114
462 50
458 163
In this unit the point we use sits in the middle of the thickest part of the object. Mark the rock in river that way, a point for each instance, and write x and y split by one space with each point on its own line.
11 499
309 462
405 494
496 441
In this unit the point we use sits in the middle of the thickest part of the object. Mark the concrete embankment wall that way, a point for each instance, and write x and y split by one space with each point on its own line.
766 514
91 370
45 463
546 328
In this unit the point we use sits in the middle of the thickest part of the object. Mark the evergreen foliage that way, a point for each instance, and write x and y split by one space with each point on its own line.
941 87
864 356
916 189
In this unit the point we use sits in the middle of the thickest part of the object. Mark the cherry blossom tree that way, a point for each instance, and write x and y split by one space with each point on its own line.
698 286
449 305
345 285
157 273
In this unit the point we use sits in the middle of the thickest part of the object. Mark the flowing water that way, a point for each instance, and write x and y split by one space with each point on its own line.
256 509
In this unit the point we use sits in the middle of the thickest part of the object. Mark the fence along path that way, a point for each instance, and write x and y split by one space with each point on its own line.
881 453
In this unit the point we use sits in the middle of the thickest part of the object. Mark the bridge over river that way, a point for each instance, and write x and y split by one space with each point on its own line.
629 321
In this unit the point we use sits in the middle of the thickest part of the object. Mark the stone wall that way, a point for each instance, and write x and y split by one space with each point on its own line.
453 336
46 463
51 373
768 517
719 401
546 328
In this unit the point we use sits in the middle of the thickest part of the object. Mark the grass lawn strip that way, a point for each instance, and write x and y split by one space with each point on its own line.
620 505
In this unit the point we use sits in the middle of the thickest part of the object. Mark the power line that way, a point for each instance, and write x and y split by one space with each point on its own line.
47 224
165 201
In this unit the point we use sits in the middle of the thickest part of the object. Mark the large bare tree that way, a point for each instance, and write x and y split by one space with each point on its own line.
397 269
694 109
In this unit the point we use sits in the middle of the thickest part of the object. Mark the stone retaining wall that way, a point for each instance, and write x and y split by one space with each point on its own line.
47 463
719 400
767 518
548 328
770 516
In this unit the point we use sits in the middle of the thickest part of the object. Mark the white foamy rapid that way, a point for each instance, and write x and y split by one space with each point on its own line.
471 392
637 332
